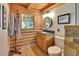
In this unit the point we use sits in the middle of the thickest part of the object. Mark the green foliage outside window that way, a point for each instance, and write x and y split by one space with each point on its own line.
27 21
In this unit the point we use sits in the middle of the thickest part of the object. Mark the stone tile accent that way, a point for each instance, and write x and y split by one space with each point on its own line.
71 40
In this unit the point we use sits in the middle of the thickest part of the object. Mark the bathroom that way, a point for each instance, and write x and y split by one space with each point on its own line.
44 26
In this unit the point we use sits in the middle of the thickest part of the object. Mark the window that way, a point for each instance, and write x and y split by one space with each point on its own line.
27 21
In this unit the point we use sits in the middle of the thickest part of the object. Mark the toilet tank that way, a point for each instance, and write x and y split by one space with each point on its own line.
59 41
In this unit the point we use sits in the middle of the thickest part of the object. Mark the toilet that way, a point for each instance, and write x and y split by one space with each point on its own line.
54 51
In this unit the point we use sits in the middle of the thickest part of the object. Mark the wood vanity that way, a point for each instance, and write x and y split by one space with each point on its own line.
44 40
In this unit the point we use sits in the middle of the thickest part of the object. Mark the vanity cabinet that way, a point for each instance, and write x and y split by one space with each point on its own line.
44 41
71 40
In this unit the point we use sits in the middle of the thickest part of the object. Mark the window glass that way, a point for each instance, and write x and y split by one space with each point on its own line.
27 21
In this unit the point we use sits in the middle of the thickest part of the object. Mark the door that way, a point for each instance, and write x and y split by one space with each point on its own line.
4 41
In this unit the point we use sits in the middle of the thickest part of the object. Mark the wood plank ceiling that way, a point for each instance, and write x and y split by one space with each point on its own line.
36 6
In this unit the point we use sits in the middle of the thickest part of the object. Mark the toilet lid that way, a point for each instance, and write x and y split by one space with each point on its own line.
54 50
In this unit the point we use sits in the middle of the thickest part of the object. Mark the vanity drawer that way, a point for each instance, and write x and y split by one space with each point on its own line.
40 37
41 43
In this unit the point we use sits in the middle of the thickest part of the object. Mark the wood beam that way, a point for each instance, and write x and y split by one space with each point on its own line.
47 6
28 5
25 6
35 9
22 5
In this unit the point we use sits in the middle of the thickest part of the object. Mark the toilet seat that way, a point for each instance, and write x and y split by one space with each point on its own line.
54 50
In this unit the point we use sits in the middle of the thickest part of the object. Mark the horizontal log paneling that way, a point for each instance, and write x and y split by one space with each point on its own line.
27 36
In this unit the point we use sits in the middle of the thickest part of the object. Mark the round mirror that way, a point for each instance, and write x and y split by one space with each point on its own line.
47 22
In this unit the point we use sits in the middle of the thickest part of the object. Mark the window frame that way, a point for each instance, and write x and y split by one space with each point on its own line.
33 22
